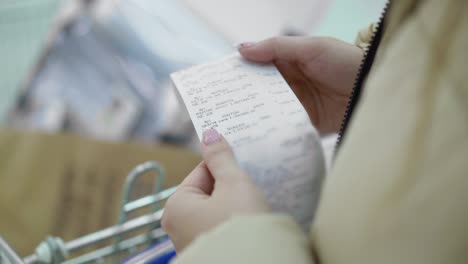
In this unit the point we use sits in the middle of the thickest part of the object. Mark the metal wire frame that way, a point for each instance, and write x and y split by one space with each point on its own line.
54 251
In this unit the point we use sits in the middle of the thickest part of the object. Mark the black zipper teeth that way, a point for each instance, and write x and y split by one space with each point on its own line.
358 81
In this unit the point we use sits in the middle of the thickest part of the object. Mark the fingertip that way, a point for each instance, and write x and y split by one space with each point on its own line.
246 45
211 136
218 154
255 52
213 143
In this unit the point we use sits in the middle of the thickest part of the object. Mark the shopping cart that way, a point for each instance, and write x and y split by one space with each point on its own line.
116 243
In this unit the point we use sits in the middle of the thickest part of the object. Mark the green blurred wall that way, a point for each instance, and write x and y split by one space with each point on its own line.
23 27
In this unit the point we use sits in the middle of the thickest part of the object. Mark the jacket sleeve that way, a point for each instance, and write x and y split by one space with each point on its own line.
268 239
364 36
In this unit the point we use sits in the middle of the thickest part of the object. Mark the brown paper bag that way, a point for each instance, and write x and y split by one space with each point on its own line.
67 186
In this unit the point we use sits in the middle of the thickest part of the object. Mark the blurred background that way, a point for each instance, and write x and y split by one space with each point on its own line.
85 95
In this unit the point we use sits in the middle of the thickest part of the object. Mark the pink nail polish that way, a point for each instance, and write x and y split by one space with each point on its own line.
246 45
211 136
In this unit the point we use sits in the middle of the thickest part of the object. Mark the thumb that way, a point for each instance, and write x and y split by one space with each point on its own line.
218 157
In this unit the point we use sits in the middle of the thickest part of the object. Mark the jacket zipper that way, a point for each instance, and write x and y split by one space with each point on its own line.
364 68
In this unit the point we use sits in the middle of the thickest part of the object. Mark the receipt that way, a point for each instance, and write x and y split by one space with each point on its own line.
253 107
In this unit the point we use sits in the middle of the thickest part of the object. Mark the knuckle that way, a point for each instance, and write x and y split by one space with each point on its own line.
278 40
274 41
278 45
166 217
218 150
164 222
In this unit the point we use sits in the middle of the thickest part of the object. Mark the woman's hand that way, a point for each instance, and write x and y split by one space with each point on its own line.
214 191
321 71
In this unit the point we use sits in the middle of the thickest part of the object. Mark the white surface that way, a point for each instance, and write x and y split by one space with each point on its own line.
252 106
246 20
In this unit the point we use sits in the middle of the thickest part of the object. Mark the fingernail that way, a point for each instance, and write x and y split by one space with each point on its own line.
211 136
245 45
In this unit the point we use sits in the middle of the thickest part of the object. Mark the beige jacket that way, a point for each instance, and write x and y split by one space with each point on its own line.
398 191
